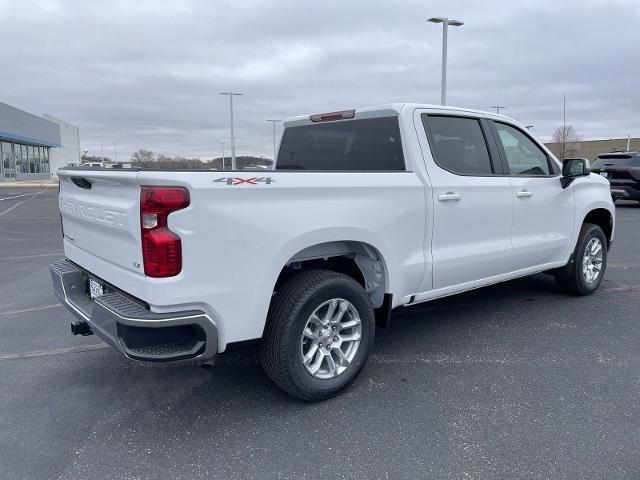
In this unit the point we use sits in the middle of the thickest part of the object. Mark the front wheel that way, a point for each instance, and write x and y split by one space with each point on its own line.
583 275
319 334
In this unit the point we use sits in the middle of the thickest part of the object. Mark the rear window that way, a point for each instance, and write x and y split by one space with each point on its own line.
613 160
367 144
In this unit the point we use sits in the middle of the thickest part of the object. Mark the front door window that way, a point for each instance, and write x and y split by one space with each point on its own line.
523 156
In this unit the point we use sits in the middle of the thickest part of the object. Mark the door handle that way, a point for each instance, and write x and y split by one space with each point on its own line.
524 194
449 196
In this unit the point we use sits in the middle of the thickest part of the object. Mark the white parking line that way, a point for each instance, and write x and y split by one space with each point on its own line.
55 217
57 351
33 309
32 195
16 196
24 257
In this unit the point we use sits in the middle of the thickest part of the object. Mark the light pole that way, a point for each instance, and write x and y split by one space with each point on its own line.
115 152
233 140
528 127
274 121
498 108
223 144
445 26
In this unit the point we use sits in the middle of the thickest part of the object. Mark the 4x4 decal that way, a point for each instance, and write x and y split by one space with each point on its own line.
240 181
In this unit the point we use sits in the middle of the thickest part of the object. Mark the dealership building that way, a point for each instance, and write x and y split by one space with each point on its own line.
34 147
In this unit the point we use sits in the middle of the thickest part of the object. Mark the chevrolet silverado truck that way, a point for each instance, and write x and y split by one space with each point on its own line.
365 211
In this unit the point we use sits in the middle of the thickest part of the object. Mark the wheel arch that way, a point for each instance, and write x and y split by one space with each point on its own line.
355 258
604 219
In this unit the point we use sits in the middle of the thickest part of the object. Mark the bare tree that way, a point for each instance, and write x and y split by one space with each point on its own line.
143 156
565 140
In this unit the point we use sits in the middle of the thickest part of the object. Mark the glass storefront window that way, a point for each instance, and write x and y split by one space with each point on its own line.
40 158
8 166
36 160
17 154
32 159
25 159
45 161
18 158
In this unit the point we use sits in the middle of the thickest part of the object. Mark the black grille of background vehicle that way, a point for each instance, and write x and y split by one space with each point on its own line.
620 175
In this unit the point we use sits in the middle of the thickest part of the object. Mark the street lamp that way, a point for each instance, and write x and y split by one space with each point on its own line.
528 127
498 107
233 141
445 26
274 121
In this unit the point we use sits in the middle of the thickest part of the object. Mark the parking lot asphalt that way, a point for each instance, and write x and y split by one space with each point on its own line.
512 381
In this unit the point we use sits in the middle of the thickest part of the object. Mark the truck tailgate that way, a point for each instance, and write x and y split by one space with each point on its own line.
100 212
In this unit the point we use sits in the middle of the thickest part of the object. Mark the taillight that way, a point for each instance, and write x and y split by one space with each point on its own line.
161 248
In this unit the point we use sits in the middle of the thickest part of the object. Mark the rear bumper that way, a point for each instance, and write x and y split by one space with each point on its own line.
129 326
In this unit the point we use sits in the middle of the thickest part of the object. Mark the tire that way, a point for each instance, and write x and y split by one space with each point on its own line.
572 277
290 333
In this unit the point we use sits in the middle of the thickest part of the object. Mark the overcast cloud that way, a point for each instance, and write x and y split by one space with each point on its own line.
146 74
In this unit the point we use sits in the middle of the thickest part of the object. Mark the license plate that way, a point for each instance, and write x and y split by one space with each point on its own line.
95 289
605 174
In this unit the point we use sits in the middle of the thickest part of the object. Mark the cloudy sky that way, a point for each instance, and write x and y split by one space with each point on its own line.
147 73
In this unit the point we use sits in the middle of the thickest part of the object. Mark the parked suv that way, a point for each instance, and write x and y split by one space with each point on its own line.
623 171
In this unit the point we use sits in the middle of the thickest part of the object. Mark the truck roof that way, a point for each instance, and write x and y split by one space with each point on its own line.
393 109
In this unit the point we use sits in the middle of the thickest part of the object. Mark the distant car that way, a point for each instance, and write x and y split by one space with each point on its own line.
92 164
622 169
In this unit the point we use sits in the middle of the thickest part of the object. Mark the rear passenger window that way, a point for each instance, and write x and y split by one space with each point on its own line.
458 144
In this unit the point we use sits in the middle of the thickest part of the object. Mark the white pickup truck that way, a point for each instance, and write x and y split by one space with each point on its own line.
365 211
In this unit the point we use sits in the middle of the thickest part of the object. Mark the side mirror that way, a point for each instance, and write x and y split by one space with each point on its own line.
572 168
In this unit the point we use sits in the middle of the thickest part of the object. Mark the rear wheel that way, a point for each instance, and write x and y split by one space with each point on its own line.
319 333
583 275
